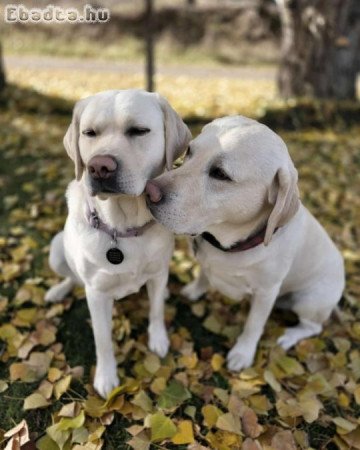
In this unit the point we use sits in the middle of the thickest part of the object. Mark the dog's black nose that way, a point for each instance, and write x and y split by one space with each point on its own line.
102 167
153 192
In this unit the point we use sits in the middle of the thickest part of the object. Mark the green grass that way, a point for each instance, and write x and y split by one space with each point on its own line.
124 48
41 44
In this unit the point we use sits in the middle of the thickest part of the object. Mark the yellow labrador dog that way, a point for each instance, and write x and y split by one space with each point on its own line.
110 244
237 192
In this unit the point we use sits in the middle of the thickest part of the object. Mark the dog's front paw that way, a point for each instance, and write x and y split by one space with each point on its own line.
55 294
158 340
193 291
105 380
240 357
58 292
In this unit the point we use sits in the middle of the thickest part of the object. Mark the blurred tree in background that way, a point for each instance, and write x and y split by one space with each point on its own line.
149 45
320 48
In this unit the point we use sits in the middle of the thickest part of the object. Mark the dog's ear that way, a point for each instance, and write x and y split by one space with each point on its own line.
284 195
177 134
71 138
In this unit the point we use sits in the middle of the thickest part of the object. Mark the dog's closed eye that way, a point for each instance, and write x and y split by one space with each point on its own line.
137 131
188 153
219 174
89 132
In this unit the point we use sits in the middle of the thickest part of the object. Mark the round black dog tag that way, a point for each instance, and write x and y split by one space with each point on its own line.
115 256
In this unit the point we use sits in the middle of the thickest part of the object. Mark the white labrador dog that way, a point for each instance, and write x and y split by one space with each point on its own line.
237 191
111 244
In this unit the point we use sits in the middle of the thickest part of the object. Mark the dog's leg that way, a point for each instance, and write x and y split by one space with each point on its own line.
59 265
313 308
194 290
60 291
243 353
158 338
100 306
292 335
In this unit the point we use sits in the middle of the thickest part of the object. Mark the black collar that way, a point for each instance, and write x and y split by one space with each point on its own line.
240 246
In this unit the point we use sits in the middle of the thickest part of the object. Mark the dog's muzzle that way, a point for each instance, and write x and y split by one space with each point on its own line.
102 172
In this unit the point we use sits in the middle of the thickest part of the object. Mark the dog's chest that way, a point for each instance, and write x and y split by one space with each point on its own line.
118 279
231 281
143 257
119 285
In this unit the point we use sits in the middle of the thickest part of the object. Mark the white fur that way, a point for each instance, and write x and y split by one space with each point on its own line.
79 252
299 259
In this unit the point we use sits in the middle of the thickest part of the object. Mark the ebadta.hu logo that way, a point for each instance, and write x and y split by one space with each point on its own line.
51 13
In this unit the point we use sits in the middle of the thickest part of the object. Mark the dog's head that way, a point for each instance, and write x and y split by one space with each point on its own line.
120 139
237 173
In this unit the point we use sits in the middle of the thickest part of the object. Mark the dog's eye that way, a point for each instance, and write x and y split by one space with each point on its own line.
89 133
188 153
136 131
219 174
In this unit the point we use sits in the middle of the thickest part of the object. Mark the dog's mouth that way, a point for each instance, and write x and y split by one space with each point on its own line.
153 207
162 217
110 189
97 188
106 191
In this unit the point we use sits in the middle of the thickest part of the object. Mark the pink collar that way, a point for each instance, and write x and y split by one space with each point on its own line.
95 222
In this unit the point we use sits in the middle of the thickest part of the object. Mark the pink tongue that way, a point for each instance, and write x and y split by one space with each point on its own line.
153 191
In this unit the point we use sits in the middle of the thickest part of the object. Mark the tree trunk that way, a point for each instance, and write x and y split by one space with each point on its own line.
149 46
2 72
320 48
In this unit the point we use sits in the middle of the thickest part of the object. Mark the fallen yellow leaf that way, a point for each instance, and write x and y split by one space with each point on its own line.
34 401
217 362
184 433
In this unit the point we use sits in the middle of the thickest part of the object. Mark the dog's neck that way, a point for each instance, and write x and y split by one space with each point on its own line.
122 211
227 233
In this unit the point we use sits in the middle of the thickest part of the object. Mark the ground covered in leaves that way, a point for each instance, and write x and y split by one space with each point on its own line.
307 398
